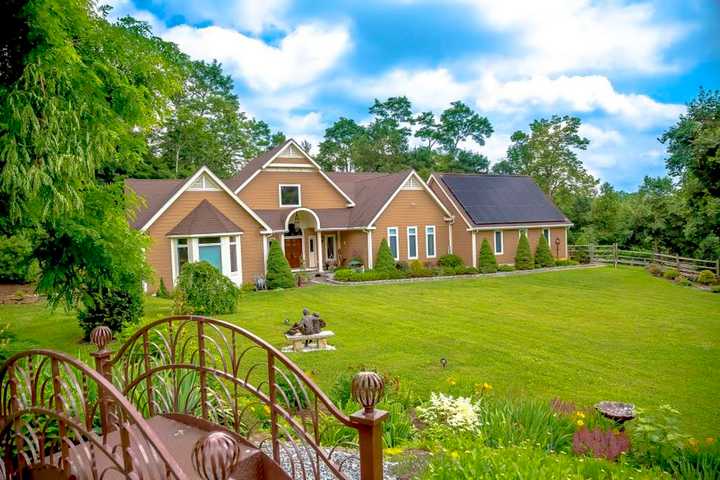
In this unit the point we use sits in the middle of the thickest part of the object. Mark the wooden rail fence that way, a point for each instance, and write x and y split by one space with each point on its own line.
617 256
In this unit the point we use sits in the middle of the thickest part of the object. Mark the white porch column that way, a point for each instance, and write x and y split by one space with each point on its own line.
282 242
265 252
370 252
474 249
194 250
450 238
173 260
319 248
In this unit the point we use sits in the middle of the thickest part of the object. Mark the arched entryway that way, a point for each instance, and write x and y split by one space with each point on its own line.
301 239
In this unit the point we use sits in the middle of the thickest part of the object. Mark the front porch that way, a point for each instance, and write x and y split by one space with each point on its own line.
307 246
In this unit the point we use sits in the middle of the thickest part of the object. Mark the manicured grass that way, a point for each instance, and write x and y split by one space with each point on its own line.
583 335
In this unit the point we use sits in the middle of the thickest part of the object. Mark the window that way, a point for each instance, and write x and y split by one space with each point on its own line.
546 234
412 243
233 255
393 242
209 251
412 184
523 231
289 195
330 248
204 183
182 252
430 241
498 243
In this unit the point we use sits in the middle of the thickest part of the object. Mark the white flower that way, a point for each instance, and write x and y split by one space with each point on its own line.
459 413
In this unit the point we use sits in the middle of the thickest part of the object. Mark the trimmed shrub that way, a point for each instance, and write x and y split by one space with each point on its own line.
487 262
654 269
715 289
402 266
201 289
506 268
565 263
279 274
417 269
671 274
706 277
450 260
113 308
683 281
523 256
343 274
385 261
162 291
543 256
16 262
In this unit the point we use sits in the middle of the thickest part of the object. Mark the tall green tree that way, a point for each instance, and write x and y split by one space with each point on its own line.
548 153
336 149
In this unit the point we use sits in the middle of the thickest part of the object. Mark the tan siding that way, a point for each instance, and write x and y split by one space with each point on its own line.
511 237
353 243
462 239
413 208
159 253
315 191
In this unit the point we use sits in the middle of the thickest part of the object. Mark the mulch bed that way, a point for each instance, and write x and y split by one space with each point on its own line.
17 293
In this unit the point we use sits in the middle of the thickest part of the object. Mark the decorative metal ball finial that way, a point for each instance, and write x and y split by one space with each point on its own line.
216 456
367 389
101 336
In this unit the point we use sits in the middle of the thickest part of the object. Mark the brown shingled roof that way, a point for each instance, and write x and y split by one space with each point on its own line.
155 193
253 166
203 220
369 190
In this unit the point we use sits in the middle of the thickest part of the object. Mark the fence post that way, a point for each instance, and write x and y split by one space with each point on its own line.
677 262
717 267
101 337
615 254
591 251
367 389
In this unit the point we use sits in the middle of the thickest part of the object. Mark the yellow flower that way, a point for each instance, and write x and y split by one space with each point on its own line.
455 455
710 440
266 409
580 423
394 451
580 414
693 442
487 386
451 381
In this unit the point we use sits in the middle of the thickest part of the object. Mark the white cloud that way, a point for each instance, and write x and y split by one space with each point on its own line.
253 16
581 35
577 93
426 89
301 57
599 137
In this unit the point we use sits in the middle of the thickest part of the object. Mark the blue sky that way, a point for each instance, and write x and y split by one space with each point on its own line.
625 68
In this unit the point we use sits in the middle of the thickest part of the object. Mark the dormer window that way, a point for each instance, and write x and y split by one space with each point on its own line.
204 184
289 195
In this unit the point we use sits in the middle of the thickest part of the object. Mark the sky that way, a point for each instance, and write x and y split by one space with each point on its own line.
627 69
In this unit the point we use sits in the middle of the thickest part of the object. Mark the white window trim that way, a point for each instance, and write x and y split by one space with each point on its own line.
335 247
434 241
397 241
412 227
547 237
205 187
280 187
502 242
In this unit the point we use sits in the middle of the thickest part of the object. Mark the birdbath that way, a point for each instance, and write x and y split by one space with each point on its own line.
618 412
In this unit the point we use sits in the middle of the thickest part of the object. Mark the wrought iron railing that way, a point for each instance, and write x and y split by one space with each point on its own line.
61 419
66 420
214 370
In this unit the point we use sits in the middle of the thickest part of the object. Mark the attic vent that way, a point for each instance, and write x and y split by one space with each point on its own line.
412 184
291 152
204 183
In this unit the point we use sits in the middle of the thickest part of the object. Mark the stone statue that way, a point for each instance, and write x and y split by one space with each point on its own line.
308 324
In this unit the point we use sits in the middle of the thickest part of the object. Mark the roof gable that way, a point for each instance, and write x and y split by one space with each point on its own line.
158 207
501 199
204 219
287 155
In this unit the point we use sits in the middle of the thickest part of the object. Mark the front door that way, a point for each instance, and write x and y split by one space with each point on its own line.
293 251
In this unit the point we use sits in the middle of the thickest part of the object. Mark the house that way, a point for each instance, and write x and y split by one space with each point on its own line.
325 219
499 208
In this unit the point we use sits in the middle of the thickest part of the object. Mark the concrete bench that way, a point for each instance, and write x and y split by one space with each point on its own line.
317 341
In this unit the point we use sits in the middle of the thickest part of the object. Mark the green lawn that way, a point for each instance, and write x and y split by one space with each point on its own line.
582 335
